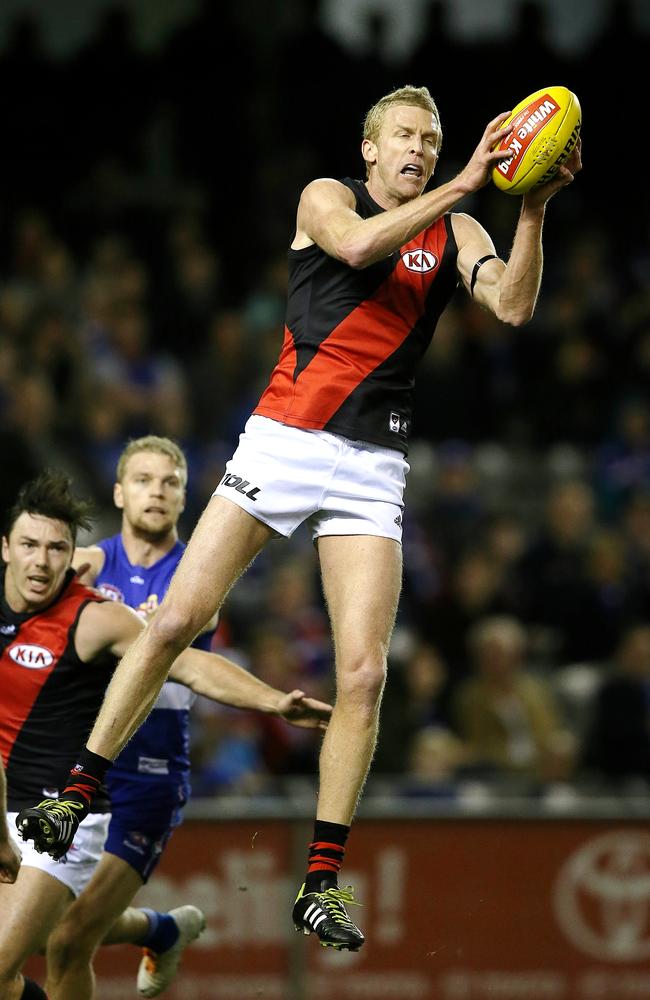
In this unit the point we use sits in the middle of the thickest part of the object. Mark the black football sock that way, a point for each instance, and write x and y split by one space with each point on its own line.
86 777
326 853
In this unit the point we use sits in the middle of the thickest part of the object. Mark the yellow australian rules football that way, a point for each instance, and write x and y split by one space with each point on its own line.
546 127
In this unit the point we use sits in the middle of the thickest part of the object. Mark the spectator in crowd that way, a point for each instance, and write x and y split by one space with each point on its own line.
611 598
505 540
412 703
636 536
435 760
456 508
508 717
141 382
622 463
552 568
474 591
617 743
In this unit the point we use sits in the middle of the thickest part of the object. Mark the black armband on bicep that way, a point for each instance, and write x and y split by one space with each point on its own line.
479 263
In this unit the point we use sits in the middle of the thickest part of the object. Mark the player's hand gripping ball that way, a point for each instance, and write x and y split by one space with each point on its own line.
546 127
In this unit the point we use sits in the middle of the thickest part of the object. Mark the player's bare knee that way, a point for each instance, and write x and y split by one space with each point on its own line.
59 954
361 683
71 942
173 629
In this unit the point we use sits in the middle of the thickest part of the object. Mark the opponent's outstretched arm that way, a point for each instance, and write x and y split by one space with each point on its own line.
218 678
115 626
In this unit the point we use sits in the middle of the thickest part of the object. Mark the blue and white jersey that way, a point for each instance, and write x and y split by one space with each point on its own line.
161 746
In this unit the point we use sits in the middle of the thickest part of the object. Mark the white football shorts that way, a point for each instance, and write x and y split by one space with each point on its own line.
80 861
285 475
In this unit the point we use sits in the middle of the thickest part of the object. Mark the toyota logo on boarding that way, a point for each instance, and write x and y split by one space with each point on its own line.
33 657
602 897
419 260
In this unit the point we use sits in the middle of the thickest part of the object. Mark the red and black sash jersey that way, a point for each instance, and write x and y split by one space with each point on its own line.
48 697
353 338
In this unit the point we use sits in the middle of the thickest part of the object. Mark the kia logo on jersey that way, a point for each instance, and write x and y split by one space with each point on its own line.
34 657
419 260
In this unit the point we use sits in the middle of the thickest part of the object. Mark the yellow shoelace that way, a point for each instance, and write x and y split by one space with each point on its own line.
335 901
62 810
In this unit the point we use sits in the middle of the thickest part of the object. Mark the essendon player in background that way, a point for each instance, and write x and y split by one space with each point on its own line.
59 643
41 726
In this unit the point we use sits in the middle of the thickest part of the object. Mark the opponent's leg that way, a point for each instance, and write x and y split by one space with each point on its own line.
362 580
161 958
140 829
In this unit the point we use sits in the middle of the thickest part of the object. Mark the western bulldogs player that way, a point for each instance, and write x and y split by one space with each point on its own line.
149 782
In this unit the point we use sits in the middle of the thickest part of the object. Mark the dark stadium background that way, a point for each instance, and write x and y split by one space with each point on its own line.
152 159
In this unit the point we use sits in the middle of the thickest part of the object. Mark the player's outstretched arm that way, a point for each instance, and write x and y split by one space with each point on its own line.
218 678
9 853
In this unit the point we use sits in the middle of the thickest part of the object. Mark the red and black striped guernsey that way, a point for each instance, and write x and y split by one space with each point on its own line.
353 338
48 697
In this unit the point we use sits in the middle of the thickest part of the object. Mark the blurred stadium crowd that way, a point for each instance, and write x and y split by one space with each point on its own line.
147 207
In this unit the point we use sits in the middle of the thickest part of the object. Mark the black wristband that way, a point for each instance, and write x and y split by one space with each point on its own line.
479 263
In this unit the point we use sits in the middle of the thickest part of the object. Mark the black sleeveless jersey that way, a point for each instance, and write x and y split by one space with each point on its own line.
354 337
48 697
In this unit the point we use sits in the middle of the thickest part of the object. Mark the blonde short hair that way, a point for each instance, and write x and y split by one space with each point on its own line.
157 445
415 97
